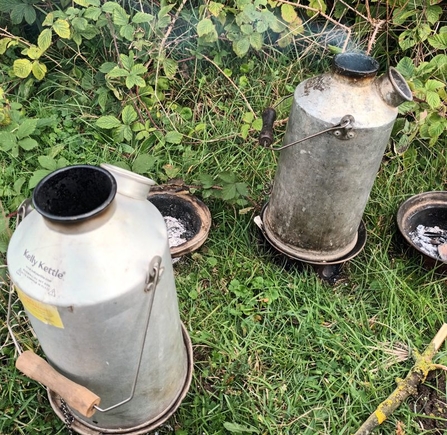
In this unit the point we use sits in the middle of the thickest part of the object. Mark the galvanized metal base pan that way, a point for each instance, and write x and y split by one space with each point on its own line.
79 427
360 244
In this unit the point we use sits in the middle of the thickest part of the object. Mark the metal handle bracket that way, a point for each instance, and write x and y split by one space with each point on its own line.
343 130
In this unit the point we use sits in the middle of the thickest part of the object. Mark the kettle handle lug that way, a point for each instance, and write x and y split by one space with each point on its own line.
343 130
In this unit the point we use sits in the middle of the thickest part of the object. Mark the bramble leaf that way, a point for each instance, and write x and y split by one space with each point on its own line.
39 70
129 115
44 39
22 68
173 137
62 28
108 122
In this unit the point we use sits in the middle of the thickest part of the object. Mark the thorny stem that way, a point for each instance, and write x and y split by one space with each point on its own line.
163 42
408 386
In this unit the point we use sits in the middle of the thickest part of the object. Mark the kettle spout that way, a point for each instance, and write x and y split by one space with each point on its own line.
393 88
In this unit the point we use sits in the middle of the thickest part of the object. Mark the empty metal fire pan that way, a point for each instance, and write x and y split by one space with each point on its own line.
422 221
188 219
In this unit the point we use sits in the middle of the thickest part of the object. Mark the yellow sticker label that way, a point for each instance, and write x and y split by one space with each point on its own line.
44 312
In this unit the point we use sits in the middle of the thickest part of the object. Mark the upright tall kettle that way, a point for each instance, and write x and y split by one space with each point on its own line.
92 267
337 132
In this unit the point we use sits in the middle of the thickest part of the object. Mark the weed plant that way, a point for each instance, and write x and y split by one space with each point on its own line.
277 350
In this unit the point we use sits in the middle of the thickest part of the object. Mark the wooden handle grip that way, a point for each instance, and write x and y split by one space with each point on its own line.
76 396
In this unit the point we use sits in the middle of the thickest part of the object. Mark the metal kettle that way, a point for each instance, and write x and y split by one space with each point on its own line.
337 132
92 267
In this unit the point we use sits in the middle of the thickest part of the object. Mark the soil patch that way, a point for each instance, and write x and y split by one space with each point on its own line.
431 403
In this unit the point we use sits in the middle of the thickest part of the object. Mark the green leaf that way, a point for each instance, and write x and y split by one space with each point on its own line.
22 68
47 162
90 32
246 29
109 7
18 184
400 15
49 20
134 80
239 428
438 41
138 69
436 129
29 14
26 128
127 60
108 122
39 70
129 115
34 52
215 8
119 16
173 137
127 32
92 13
227 177
62 28
36 177
257 124
62 162
4 44
433 85
28 143
206 180
245 128
79 23
117 72
433 13
186 114
170 67
106 67
142 17
256 40
229 192
164 10
433 99
127 132
248 117
143 163
276 25
241 46
205 26
7 140
317 4
406 67
44 39
288 13
242 189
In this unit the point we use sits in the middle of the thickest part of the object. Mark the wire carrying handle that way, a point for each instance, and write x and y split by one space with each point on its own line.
343 130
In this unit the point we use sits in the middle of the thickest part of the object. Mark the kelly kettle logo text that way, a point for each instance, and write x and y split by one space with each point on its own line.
41 265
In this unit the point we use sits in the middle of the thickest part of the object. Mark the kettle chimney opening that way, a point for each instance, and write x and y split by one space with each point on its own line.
74 193
355 65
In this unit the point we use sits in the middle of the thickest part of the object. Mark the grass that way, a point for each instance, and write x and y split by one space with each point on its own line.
276 349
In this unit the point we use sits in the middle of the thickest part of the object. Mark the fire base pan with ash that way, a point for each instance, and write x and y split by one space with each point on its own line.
422 222
188 220
328 270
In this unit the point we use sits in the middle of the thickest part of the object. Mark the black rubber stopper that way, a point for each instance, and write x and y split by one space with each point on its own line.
266 135
74 193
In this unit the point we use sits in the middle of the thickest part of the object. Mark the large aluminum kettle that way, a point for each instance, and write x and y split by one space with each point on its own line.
337 132
92 267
